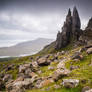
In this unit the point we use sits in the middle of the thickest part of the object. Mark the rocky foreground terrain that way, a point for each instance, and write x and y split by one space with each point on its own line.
63 66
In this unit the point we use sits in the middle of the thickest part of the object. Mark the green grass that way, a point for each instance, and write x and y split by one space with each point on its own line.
45 71
52 89
84 72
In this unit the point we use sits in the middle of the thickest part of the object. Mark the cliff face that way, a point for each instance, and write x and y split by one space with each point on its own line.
70 30
89 26
87 33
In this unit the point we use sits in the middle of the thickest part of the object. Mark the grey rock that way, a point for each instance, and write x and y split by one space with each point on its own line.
70 83
57 86
51 68
7 77
74 67
90 90
84 89
89 51
23 67
60 73
19 86
43 61
77 55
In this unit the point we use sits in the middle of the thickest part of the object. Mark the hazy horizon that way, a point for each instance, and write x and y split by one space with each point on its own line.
23 20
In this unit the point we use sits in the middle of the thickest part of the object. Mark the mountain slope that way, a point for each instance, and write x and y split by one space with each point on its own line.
28 47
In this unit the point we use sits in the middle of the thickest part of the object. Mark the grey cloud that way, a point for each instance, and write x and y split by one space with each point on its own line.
45 17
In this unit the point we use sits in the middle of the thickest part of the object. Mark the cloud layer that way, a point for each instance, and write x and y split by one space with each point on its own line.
22 20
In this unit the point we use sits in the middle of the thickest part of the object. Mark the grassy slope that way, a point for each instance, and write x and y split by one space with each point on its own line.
84 72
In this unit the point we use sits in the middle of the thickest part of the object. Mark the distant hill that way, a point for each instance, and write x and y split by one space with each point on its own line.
25 48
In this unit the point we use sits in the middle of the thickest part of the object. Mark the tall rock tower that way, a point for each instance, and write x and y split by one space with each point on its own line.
70 30
76 24
63 38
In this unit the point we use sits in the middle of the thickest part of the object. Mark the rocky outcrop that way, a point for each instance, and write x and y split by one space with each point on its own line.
70 30
86 37
63 37
70 83
89 26
88 30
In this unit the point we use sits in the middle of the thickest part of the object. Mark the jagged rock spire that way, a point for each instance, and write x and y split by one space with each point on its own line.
69 12
76 19
69 18
70 29
76 24
63 38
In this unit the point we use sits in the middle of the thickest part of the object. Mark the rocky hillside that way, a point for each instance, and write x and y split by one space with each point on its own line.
63 66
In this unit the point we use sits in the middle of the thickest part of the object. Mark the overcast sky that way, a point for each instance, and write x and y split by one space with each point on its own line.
22 20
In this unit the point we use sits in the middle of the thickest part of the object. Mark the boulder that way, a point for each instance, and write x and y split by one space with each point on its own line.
38 83
77 55
39 71
34 76
22 75
34 66
84 89
61 64
43 61
7 77
74 67
28 71
60 73
21 78
70 83
9 85
23 67
60 53
51 68
46 82
1 84
43 83
57 86
19 86
90 90
89 51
